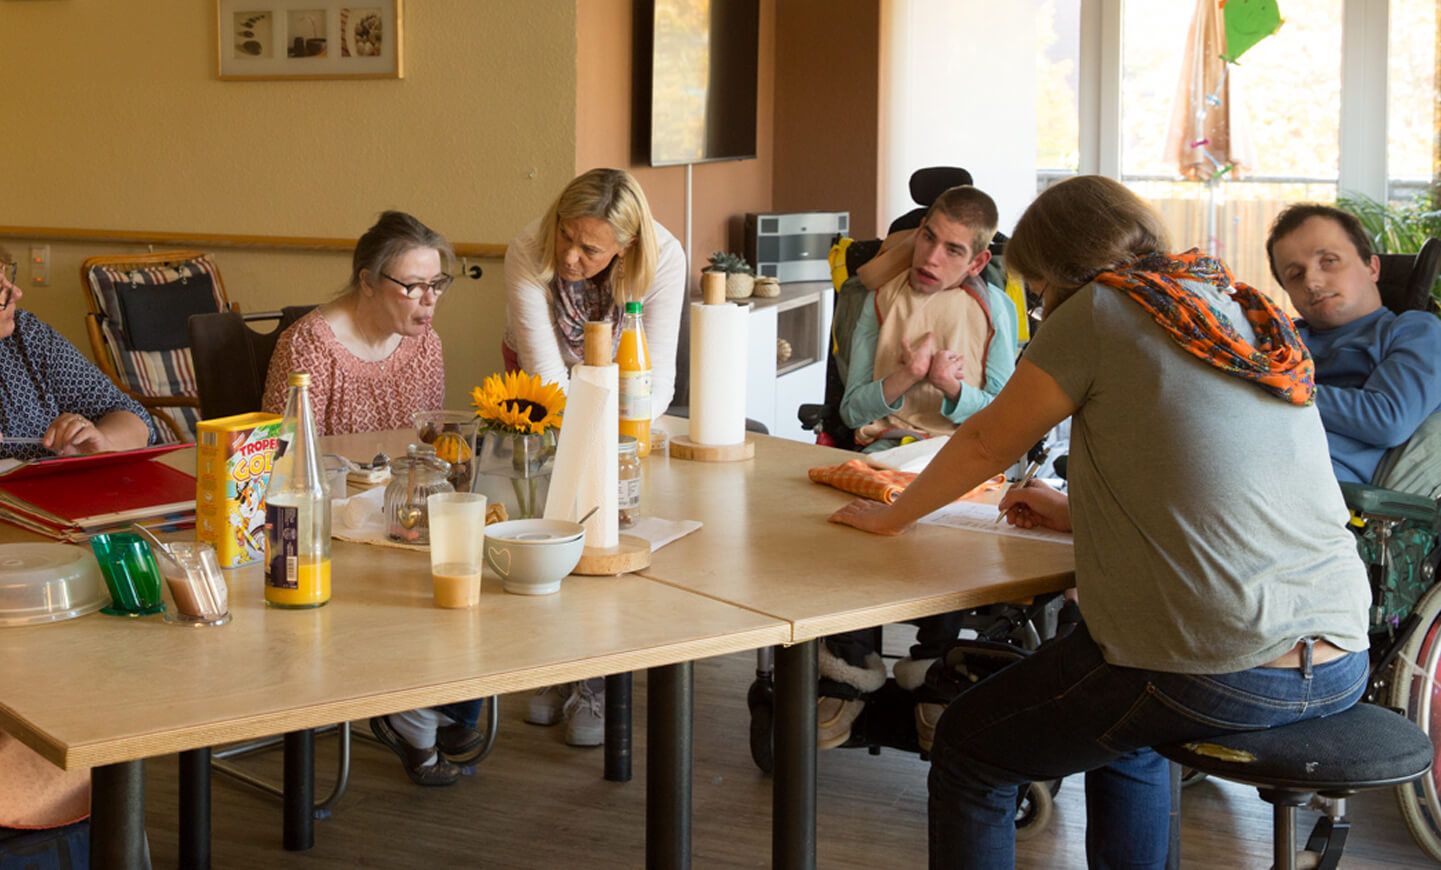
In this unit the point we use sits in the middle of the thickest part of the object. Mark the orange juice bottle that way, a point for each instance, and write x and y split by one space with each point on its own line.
633 357
297 509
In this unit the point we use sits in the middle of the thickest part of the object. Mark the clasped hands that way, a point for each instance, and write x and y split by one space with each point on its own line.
925 360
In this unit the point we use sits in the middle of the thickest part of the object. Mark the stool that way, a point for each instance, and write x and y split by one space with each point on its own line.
1363 748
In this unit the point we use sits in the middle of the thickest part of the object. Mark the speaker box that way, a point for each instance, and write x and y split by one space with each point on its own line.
793 246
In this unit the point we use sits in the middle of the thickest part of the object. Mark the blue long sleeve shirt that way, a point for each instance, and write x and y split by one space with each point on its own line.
1377 378
865 400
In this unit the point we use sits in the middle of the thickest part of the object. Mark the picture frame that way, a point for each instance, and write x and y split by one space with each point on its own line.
258 40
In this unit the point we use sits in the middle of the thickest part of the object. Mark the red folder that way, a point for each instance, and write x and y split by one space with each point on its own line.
98 489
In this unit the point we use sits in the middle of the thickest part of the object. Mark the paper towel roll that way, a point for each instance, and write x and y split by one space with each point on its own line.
718 374
584 405
598 482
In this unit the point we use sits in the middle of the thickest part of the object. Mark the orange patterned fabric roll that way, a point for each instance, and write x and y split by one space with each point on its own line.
881 484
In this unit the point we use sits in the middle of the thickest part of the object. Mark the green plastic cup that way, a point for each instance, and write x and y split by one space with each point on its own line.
130 574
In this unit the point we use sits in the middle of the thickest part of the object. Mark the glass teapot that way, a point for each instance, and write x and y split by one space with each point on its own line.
414 478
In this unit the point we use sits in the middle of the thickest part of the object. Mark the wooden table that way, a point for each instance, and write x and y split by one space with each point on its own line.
766 546
106 692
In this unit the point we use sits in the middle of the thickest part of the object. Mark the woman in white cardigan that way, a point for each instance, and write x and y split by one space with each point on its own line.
596 249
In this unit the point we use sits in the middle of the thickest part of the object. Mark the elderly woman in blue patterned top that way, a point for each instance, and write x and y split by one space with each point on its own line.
50 391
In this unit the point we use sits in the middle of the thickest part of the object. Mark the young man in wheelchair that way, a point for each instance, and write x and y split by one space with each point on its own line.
933 345
1378 373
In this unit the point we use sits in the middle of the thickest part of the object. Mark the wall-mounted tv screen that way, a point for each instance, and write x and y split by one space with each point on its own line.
695 83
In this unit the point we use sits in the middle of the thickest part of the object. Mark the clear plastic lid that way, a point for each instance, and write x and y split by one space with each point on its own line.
48 583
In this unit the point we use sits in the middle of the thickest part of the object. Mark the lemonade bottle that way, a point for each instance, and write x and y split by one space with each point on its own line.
633 358
297 510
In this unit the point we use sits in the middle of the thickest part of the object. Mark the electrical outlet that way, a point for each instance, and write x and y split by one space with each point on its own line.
40 265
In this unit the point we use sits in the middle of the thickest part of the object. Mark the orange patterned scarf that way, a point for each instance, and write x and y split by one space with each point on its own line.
1279 363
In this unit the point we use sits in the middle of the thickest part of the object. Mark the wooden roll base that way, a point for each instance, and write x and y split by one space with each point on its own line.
682 447
631 554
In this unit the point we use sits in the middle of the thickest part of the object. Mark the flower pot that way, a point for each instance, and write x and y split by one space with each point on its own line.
514 470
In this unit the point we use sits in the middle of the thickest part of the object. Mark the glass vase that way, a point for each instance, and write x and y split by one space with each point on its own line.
514 470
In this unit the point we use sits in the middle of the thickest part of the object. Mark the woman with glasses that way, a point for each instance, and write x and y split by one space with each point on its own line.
596 248
374 360
372 355
52 399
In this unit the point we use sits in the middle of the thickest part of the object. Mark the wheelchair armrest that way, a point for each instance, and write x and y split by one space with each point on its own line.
811 416
1375 501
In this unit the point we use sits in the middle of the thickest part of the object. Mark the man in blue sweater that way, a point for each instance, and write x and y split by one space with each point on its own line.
1378 373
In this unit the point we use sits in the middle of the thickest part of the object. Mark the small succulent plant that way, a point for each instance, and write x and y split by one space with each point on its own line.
731 264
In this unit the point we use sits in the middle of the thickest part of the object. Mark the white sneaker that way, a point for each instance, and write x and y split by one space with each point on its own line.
585 715
545 705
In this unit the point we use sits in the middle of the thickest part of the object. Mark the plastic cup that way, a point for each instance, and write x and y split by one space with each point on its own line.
197 587
457 547
130 574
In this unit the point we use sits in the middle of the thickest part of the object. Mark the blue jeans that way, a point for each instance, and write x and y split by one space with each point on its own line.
466 713
1064 710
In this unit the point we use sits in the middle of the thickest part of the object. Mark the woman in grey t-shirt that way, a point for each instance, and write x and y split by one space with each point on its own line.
1220 588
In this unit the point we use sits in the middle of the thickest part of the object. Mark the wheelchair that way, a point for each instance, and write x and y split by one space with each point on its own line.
994 636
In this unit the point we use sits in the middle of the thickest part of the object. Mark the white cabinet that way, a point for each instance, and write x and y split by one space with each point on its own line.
775 389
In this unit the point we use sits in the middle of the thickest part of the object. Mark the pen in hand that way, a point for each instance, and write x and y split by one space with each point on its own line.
1031 470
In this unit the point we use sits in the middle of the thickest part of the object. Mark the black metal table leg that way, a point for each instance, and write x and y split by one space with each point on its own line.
299 798
669 709
195 809
1173 855
793 818
117 816
618 727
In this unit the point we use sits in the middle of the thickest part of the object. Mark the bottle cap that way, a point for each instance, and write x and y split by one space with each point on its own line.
632 308
300 379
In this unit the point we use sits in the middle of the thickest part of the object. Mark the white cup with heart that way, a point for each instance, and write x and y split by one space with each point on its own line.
531 557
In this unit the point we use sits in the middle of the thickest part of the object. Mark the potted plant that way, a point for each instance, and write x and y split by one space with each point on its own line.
740 279
1396 228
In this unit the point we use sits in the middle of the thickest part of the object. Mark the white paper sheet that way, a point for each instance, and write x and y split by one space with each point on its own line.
913 457
974 516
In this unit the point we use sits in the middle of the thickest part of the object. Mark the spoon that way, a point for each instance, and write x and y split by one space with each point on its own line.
588 514
158 545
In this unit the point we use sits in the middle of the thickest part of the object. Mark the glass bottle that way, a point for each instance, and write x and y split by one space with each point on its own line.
297 509
628 474
633 357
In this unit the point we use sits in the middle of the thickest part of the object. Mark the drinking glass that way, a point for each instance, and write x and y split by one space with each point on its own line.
130 574
457 545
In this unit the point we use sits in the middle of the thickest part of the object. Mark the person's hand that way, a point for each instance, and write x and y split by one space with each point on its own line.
1037 504
946 370
916 358
868 516
72 434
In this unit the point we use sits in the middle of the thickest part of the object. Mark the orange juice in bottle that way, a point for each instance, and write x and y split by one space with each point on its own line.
297 510
633 358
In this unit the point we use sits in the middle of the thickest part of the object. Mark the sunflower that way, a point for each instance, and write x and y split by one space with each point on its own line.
518 402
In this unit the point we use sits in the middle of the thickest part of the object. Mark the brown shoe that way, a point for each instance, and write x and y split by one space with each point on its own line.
834 718
927 715
412 759
459 743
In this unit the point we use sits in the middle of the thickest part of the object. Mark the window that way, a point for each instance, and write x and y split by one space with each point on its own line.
1058 56
1411 134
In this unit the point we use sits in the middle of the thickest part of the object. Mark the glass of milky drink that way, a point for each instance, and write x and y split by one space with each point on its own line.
457 542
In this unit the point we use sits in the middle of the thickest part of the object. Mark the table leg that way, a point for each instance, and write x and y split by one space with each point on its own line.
299 797
117 816
669 709
618 727
1173 856
793 817
195 809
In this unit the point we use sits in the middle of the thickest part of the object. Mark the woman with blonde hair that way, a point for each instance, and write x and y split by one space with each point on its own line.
1220 589
596 248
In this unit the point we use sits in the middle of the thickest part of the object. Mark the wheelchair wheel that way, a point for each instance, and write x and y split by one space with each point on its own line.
1190 776
1035 805
1418 694
762 702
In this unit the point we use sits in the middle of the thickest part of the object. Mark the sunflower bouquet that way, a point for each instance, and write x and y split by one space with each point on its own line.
525 412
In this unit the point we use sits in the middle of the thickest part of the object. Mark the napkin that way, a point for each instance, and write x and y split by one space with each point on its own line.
659 532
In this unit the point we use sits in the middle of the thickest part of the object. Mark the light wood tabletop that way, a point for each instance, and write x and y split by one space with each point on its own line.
100 689
766 545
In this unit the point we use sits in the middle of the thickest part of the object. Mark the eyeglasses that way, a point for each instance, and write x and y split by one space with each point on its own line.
438 286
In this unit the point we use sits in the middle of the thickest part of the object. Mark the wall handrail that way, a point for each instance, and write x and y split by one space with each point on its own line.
220 240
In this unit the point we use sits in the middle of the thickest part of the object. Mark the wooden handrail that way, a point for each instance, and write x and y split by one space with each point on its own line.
220 240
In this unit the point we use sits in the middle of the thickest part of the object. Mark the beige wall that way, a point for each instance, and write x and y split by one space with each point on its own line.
826 101
722 192
115 120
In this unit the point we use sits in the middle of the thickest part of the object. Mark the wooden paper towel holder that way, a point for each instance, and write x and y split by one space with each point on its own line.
631 554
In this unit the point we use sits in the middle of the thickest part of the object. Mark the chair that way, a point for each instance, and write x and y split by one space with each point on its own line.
1334 757
1407 281
231 359
138 305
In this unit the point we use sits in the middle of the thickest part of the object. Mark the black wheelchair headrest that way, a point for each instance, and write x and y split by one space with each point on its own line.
931 182
1406 279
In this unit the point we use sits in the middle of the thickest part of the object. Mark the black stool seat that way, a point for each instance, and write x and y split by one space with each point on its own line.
1365 747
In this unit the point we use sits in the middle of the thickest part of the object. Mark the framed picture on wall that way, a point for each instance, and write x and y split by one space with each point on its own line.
309 39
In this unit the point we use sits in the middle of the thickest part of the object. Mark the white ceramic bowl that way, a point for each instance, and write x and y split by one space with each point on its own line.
531 557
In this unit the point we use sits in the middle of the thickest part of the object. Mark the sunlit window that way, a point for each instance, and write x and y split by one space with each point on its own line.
1058 56
1411 134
